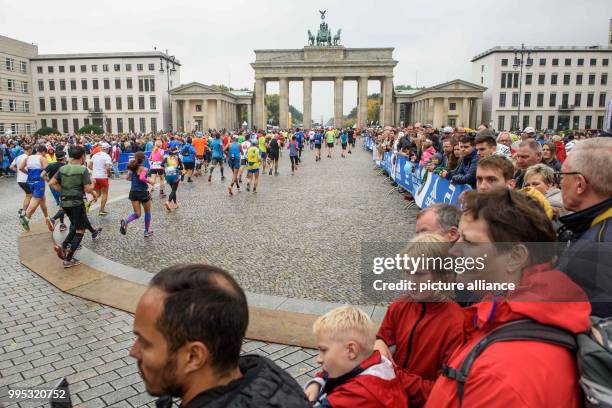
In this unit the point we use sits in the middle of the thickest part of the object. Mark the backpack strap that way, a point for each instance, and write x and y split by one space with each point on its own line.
525 329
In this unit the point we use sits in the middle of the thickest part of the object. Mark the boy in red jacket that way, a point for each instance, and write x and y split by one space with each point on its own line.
354 374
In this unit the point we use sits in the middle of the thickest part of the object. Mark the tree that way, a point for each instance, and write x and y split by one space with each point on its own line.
296 115
225 88
272 107
91 128
46 131
373 110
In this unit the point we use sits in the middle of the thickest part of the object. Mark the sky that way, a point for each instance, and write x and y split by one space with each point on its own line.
434 40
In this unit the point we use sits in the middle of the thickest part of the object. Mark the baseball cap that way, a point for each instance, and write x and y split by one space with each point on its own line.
105 146
447 129
529 129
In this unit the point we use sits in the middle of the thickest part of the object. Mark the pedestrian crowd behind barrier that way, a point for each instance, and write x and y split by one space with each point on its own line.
427 188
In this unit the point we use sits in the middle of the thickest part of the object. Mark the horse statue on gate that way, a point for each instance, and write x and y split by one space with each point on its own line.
324 35
311 38
337 37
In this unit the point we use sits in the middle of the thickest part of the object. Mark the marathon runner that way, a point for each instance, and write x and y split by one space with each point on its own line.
101 165
234 153
293 153
217 156
155 159
22 181
48 174
245 144
329 139
274 154
33 166
318 141
343 142
172 168
263 152
188 155
253 161
139 192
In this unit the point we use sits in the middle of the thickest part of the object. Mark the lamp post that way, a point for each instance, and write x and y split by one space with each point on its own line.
519 62
170 60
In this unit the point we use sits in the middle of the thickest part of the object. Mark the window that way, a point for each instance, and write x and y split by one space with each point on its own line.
152 103
119 125
602 100
108 125
568 62
504 62
61 69
588 121
527 100
85 121
451 106
118 103
542 62
580 62
128 67
73 84
14 127
551 122
600 121
64 104
590 98
39 70
604 62
41 85
105 67
117 67
152 84
107 103
578 79
146 85
540 100
65 125
593 62
50 69
10 84
503 80
577 99
117 83
128 83
43 123
107 84
565 99
138 67
151 67
96 104
51 85
566 79
154 125
26 106
83 68
24 87
555 62
576 122
199 107
525 121
553 79
72 68
141 102
515 99
41 104
552 101
75 124
604 79
12 105
538 123
83 84
130 102
1 109
94 84
514 122
85 103
591 79
9 64
75 104
62 84
28 128
502 100
142 125
94 68
130 124
52 104
541 79
23 67
528 79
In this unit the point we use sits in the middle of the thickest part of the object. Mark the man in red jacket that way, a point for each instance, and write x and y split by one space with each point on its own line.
517 373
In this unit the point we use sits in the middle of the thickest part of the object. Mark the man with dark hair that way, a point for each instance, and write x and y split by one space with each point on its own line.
439 218
485 143
494 172
190 324
466 171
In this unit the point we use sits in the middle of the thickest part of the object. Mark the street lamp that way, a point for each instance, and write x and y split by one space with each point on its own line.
169 59
519 62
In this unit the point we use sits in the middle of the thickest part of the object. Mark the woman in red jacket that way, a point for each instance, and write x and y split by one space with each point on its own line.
423 328
519 373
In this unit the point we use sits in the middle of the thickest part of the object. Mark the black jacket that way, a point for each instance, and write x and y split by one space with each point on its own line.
587 258
263 384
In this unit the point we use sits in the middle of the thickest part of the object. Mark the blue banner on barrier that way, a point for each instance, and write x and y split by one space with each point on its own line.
426 188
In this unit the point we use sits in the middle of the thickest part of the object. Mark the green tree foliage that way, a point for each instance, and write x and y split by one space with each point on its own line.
91 128
46 131
272 106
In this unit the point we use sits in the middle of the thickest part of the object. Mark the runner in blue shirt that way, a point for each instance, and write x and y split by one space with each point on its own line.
234 153
299 138
188 156
343 142
217 156
318 140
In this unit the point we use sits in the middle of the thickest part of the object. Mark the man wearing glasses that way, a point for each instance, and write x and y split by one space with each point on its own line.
586 187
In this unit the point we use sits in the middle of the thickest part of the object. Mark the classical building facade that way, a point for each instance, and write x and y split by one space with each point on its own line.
196 106
120 92
560 88
16 110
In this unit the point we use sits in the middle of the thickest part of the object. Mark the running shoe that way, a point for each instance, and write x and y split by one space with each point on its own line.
210 178
222 178
176 206
254 189
50 224
229 189
123 227
147 234
63 227
103 213
248 187
96 233
25 223
71 263
59 251
167 205
270 172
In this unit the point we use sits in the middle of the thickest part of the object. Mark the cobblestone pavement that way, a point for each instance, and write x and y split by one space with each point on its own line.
299 236
46 335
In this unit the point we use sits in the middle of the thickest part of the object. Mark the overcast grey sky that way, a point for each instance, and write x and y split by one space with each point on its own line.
214 40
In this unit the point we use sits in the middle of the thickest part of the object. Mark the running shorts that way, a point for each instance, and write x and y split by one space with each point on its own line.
38 189
254 171
330 145
273 156
189 165
159 172
207 155
233 163
25 187
217 160
343 146
140 196
243 162
101 183
264 155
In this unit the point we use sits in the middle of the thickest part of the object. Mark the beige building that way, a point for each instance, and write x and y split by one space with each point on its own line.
453 103
16 110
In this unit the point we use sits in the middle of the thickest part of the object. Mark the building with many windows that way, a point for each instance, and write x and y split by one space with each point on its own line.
561 87
119 92
16 111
